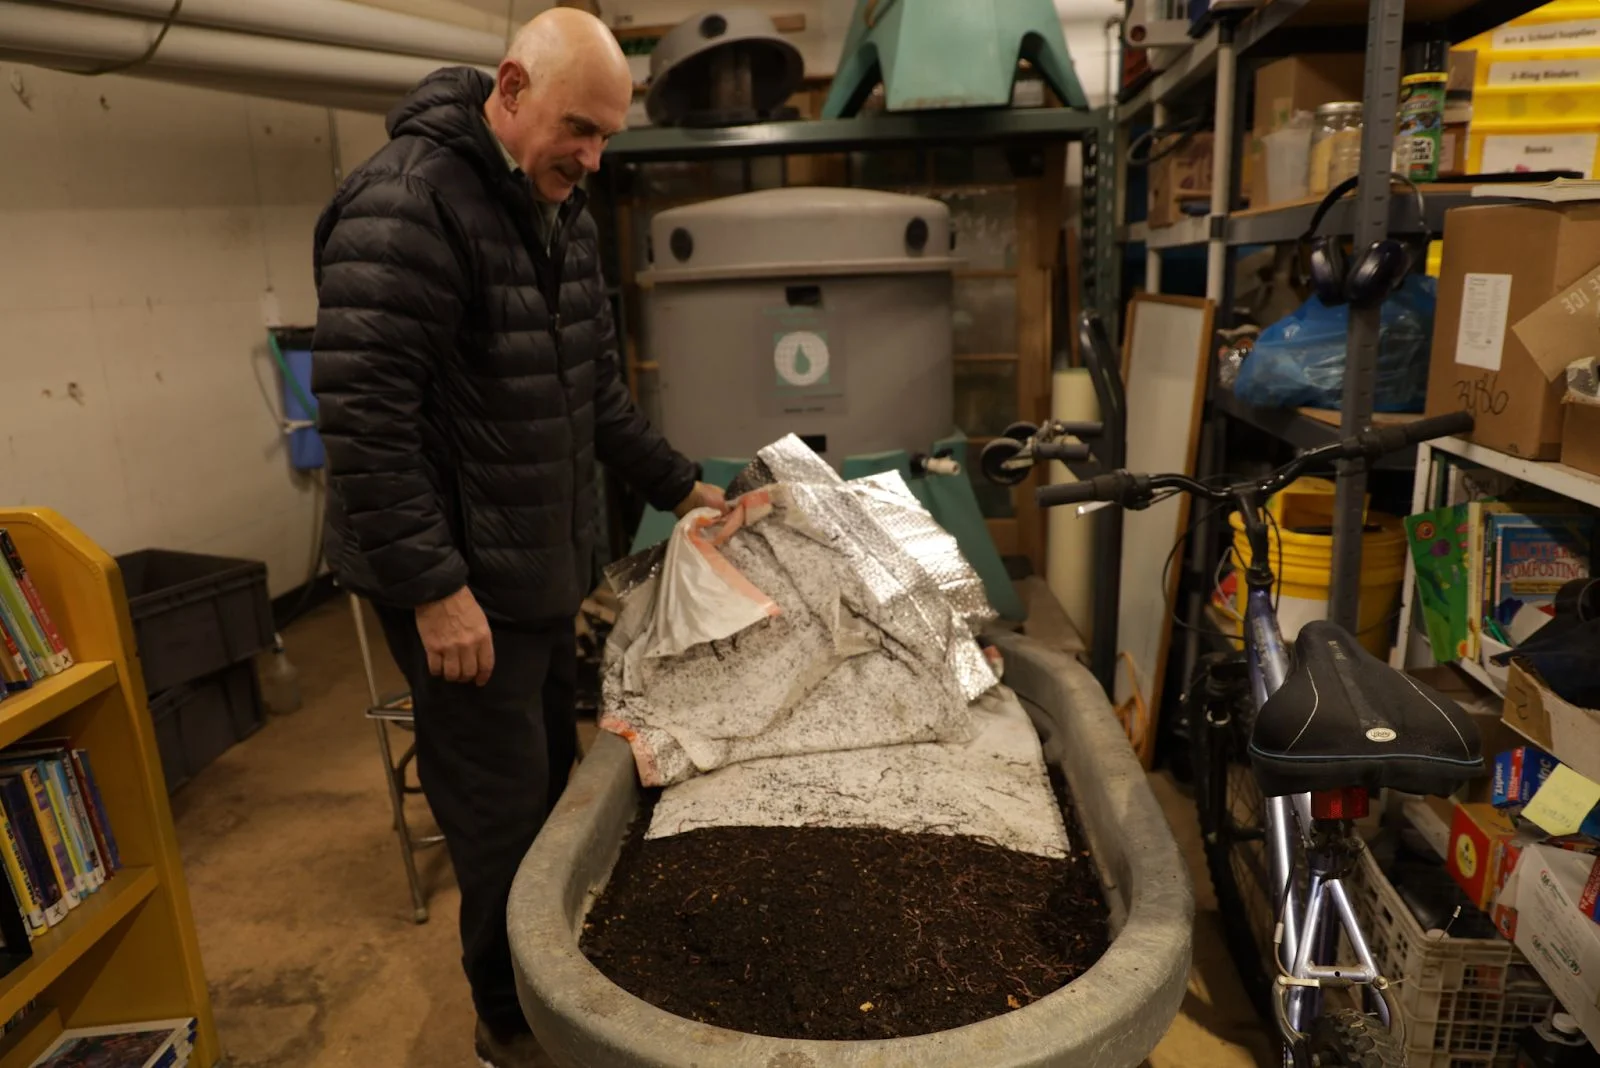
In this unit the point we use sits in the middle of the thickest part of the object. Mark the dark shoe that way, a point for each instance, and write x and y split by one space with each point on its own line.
520 1050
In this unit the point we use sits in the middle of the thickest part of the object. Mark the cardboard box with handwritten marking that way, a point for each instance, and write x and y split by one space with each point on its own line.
1502 263
1570 732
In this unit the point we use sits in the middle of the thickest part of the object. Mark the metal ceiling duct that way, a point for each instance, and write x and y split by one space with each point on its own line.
62 37
322 96
336 22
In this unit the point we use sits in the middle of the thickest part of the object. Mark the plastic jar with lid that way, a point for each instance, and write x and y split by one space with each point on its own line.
1419 126
1335 145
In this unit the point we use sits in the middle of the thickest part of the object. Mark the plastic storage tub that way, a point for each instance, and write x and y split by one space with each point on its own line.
1111 1016
194 615
197 722
1465 1000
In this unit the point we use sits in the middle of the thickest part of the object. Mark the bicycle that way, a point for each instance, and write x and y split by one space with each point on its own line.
1313 736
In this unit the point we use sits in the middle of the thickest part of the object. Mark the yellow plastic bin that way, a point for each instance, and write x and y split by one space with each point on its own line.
1302 535
1536 91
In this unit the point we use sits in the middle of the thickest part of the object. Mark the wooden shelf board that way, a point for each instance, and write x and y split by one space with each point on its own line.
1332 418
59 948
23 713
24 1045
1556 477
1428 188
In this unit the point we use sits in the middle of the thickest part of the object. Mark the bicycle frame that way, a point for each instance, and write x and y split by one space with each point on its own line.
1307 952
1309 919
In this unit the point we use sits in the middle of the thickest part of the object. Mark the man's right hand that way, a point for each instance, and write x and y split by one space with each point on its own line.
457 638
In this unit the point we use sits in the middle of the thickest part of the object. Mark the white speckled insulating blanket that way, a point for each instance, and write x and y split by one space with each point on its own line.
795 644
992 787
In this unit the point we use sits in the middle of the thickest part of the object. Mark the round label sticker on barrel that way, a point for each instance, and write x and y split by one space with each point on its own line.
801 358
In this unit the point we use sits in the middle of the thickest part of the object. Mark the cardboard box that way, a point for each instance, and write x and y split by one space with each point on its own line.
1504 911
1502 262
1518 773
1478 835
1183 174
1580 438
1495 734
1300 83
1431 816
1253 171
1570 732
1562 944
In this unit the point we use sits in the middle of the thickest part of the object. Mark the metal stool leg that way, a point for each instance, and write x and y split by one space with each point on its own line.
419 901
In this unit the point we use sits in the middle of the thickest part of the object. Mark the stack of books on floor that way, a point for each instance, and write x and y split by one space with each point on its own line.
156 1044
56 842
30 646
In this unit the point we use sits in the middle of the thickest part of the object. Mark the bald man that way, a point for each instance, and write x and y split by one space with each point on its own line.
466 372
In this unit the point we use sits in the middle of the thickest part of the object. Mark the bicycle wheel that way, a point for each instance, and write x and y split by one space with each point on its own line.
1233 822
1347 1039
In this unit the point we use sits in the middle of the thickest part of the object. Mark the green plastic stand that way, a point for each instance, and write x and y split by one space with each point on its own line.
949 54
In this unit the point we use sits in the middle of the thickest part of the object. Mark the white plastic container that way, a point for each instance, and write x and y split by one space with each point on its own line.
820 312
1288 159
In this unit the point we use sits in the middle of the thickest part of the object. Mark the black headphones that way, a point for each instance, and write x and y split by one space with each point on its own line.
1377 272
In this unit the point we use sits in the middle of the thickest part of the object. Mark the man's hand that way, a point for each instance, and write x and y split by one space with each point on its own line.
704 495
457 637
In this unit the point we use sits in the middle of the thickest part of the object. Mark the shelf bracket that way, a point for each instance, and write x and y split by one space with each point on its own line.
1385 31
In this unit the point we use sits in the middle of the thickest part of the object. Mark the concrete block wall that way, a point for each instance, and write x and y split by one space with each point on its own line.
146 231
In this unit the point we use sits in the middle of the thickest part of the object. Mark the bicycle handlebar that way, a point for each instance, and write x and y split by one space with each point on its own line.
1065 451
1117 486
1136 491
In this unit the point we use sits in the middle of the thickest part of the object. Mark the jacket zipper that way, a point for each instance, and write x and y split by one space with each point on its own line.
554 255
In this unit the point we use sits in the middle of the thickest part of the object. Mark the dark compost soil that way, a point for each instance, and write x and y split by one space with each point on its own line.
829 933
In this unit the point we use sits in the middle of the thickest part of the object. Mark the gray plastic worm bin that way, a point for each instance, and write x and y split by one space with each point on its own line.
1110 1017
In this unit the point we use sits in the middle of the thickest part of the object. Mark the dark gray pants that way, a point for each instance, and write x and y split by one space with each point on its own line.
492 761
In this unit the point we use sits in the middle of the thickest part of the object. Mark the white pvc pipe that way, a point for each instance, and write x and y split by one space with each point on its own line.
325 22
109 38
323 96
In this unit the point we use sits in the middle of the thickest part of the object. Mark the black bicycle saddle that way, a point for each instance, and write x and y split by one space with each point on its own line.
1344 718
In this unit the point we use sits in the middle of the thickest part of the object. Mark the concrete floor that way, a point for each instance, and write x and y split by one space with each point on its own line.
305 923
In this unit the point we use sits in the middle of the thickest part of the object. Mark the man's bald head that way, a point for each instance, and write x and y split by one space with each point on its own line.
561 92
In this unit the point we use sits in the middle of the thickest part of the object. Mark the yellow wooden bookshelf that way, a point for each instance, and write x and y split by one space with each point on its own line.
129 952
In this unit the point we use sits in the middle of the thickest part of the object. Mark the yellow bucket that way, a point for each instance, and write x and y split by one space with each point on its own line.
1302 562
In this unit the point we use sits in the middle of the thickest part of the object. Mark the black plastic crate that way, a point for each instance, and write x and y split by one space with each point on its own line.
199 721
193 614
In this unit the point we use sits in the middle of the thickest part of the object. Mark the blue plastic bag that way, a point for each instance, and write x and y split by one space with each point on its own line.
1298 361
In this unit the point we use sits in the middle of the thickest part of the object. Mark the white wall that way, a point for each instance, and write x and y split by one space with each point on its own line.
141 225
142 229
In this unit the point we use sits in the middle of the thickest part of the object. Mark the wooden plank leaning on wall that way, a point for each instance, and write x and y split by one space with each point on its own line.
1040 203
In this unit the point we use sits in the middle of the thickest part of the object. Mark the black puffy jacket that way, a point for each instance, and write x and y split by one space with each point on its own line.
466 379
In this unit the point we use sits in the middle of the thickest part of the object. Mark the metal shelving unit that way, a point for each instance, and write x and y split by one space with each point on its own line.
1033 143
879 131
1304 428
1569 482
1010 127
1225 58
1287 222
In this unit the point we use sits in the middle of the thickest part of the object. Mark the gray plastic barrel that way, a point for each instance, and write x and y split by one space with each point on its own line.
1110 1017
814 311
